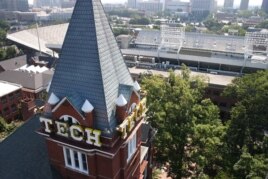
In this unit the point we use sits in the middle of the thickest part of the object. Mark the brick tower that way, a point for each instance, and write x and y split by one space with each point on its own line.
95 113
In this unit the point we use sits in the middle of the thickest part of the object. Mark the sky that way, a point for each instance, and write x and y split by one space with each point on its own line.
220 2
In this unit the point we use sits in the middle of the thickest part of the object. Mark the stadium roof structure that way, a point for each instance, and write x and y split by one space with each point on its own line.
234 44
54 34
257 47
52 37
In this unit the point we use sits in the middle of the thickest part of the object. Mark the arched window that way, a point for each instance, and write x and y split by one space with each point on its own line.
132 107
69 119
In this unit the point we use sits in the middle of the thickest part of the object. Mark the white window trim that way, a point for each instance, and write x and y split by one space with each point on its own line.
132 147
72 166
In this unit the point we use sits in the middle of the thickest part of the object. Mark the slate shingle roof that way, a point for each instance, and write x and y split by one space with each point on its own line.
23 155
91 63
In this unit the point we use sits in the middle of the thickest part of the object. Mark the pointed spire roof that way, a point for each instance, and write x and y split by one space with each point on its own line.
87 107
121 101
137 86
53 99
48 86
91 63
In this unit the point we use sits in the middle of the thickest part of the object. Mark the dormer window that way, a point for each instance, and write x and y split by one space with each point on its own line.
132 107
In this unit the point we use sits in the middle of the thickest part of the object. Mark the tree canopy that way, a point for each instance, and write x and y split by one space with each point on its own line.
213 25
241 30
245 13
189 129
5 51
140 21
263 24
4 25
194 141
246 139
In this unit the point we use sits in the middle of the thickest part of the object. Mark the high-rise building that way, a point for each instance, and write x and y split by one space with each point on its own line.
150 6
203 7
55 3
16 5
264 5
95 112
2 4
68 3
47 3
228 4
177 6
244 4
132 4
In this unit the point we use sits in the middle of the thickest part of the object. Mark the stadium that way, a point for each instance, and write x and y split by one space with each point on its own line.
169 47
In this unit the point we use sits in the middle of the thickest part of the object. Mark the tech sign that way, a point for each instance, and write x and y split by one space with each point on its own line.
75 132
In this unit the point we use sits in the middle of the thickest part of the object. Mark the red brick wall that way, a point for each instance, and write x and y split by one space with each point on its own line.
10 101
100 164
67 109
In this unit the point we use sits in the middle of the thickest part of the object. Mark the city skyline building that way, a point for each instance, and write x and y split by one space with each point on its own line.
244 4
264 5
150 6
2 4
54 3
14 5
228 4
177 6
202 8
132 4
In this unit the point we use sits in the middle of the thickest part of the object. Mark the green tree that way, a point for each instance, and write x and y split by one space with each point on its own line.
140 21
2 125
10 52
189 28
2 35
4 25
241 30
245 13
263 24
125 13
251 167
246 135
186 123
7 128
213 25
120 31
207 139
2 54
